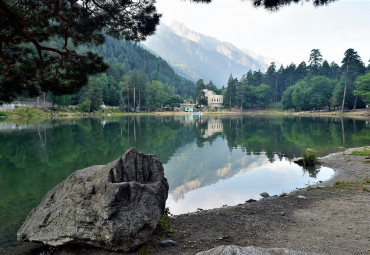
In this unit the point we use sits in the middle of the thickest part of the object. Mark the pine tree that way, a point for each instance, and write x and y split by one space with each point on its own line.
353 67
315 62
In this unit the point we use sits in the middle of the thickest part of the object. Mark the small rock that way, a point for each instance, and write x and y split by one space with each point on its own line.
251 200
298 161
282 213
303 197
167 243
264 194
224 206
284 194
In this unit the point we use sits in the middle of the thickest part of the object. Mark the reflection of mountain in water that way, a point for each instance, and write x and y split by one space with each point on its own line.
193 167
196 153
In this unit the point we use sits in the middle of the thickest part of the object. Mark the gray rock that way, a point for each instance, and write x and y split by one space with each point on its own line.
298 161
251 250
264 194
251 200
167 243
115 207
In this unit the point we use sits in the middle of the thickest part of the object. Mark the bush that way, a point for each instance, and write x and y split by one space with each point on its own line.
163 225
309 157
3 114
85 106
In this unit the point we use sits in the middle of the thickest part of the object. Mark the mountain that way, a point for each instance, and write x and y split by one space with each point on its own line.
124 56
194 55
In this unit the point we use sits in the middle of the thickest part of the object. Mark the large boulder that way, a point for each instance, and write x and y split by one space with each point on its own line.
115 207
251 250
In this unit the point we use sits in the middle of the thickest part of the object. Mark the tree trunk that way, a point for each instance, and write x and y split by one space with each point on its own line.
355 104
134 99
128 97
345 88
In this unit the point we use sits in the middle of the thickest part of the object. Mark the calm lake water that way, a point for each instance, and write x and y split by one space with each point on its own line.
209 161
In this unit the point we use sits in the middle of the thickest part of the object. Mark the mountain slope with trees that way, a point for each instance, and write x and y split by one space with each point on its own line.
135 80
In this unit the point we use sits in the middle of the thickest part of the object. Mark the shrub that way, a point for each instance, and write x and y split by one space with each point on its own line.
163 225
3 114
309 157
85 106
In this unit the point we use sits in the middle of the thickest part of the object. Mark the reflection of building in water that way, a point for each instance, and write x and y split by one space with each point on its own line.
213 99
214 126
180 191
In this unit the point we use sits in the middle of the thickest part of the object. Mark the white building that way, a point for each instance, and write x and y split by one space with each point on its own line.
214 126
213 99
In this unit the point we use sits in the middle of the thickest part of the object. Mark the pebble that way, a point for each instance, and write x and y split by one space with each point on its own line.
167 243
282 213
303 197
264 194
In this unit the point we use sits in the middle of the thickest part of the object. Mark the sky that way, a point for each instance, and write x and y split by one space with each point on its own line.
286 36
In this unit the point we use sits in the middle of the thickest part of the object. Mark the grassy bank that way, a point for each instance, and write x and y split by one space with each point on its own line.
43 113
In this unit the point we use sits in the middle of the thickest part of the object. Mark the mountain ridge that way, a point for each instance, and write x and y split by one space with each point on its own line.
194 55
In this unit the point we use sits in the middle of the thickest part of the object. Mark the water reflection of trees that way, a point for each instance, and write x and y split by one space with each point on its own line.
289 136
36 159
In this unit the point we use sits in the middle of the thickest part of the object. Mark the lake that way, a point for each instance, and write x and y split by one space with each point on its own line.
209 161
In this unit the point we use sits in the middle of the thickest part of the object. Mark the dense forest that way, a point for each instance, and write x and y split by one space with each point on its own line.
135 80
311 86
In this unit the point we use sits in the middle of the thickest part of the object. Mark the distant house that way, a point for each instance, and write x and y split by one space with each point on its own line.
213 99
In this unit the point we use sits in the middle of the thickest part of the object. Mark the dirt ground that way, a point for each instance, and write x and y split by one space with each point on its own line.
326 221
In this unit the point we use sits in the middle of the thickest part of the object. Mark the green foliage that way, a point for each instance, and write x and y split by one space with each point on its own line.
163 225
144 250
346 185
315 61
313 93
85 106
200 96
230 95
361 153
363 88
316 86
309 157
3 114
263 95
32 66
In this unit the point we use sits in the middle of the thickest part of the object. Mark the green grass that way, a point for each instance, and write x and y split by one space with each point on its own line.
346 185
163 225
309 157
361 153
3 114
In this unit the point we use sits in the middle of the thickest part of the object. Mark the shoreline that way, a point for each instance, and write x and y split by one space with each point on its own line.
325 221
33 113
277 221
